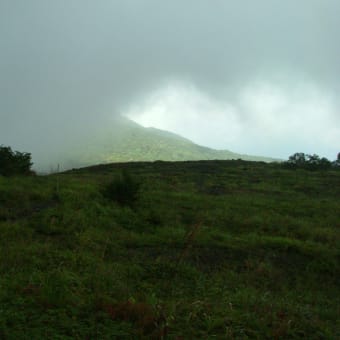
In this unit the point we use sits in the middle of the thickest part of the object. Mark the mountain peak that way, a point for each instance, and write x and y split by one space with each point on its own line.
124 140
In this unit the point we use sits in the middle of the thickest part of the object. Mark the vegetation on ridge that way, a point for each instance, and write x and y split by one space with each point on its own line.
310 162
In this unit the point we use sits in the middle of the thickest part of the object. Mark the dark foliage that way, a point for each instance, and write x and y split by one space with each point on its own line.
309 162
123 189
336 163
14 162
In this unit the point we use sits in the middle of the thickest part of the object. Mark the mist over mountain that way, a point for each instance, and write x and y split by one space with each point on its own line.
258 77
124 141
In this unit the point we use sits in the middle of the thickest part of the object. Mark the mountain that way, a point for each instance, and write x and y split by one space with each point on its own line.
126 141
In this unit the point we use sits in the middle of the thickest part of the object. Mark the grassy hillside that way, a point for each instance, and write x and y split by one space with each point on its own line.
214 249
126 141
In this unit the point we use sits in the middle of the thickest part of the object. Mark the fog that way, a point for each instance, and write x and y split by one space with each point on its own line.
257 77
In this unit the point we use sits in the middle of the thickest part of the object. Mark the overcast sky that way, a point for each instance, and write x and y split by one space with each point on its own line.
258 77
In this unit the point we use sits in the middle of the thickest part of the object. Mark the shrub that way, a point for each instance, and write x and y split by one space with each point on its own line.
123 189
14 162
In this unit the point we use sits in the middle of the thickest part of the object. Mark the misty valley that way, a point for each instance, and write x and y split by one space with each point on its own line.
228 249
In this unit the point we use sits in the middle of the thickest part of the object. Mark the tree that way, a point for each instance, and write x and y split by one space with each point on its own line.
336 163
14 162
314 162
297 160
311 162
325 163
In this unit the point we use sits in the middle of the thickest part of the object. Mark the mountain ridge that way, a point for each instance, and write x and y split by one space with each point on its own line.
127 141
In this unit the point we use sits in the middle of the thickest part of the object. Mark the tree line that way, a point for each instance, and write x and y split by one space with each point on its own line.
311 162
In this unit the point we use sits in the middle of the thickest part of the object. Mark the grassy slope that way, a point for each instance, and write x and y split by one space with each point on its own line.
127 141
221 248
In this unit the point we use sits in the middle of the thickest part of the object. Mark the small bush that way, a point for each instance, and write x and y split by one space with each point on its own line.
14 162
123 189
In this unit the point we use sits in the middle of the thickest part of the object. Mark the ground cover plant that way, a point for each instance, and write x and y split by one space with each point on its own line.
211 249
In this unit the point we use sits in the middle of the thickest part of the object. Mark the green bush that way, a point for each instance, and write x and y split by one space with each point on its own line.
123 189
14 162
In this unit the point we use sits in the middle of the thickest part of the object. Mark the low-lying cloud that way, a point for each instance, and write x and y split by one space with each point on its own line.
242 65
266 119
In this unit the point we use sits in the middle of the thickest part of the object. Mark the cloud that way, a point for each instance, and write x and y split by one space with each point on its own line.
69 64
264 118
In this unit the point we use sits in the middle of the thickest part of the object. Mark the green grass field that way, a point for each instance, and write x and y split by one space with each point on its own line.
211 249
